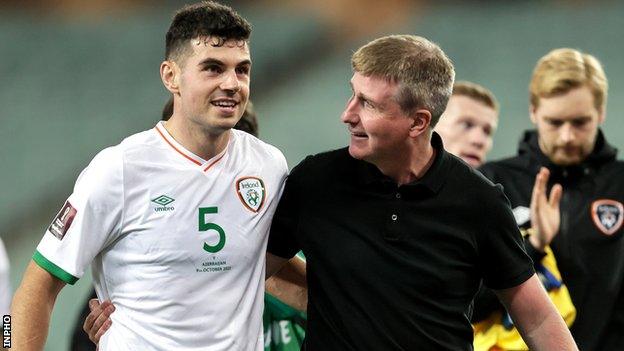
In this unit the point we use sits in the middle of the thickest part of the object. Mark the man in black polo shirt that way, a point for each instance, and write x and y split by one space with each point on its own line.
577 206
398 233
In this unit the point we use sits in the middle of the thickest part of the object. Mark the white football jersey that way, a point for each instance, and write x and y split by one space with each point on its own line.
5 285
176 242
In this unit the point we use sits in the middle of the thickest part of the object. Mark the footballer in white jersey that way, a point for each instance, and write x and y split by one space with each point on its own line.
5 286
177 243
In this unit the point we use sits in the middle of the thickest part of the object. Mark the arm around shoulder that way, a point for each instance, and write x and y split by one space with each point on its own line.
32 307
537 319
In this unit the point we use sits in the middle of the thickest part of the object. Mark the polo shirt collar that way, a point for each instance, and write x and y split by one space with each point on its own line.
433 179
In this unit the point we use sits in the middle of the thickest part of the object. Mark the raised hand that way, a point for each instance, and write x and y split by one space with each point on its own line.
545 212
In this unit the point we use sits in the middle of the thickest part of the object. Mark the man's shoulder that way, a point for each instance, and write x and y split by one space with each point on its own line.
327 161
110 160
515 165
616 164
142 140
505 163
472 180
251 147
145 139
462 174
247 140
336 155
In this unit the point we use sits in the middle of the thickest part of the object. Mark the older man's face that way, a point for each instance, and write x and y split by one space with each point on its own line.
379 128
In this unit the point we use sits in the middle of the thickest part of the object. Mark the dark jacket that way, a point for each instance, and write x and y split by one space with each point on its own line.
589 247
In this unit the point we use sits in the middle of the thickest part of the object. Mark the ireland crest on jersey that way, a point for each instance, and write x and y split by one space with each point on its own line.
251 192
607 215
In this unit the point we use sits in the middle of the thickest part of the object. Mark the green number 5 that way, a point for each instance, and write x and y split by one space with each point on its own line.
203 226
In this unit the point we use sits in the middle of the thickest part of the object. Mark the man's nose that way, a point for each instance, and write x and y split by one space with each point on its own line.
566 133
478 137
230 81
350 114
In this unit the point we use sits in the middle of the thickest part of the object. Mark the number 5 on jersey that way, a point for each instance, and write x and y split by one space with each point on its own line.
204 226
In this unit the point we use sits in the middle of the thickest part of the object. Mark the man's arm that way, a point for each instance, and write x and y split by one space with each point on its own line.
32 307
288 284
273 264
536 318
286 280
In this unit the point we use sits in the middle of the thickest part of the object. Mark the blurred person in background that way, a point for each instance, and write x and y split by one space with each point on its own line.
566 190
135 207
468 124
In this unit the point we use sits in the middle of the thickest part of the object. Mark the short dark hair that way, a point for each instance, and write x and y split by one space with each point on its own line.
204 19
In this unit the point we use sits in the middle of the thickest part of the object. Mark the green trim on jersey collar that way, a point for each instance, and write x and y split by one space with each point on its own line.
53 269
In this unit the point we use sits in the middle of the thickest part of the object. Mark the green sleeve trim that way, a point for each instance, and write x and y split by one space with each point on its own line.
53 269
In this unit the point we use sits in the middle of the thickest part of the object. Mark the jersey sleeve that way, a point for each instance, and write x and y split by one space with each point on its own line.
5 286
89 220
503 259
282 237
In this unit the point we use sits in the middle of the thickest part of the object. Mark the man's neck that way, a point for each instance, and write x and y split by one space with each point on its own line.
200 142
411 165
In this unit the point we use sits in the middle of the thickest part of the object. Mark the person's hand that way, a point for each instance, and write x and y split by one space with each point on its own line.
545 212
98 321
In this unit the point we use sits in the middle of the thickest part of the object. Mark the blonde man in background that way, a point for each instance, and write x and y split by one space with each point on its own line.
566 190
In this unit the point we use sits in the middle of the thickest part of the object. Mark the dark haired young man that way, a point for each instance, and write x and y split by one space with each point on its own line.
173 220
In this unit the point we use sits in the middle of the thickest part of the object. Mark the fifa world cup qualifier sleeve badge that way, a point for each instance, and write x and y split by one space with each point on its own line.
63 220
607 215
251 192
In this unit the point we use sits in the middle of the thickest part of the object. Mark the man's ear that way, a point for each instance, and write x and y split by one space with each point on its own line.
421 120
532 111
602 114
170 76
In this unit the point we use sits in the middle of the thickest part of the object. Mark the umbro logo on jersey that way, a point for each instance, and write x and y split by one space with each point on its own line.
607 215
163 201
251 192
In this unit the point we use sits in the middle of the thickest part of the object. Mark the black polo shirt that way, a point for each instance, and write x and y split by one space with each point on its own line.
395 267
